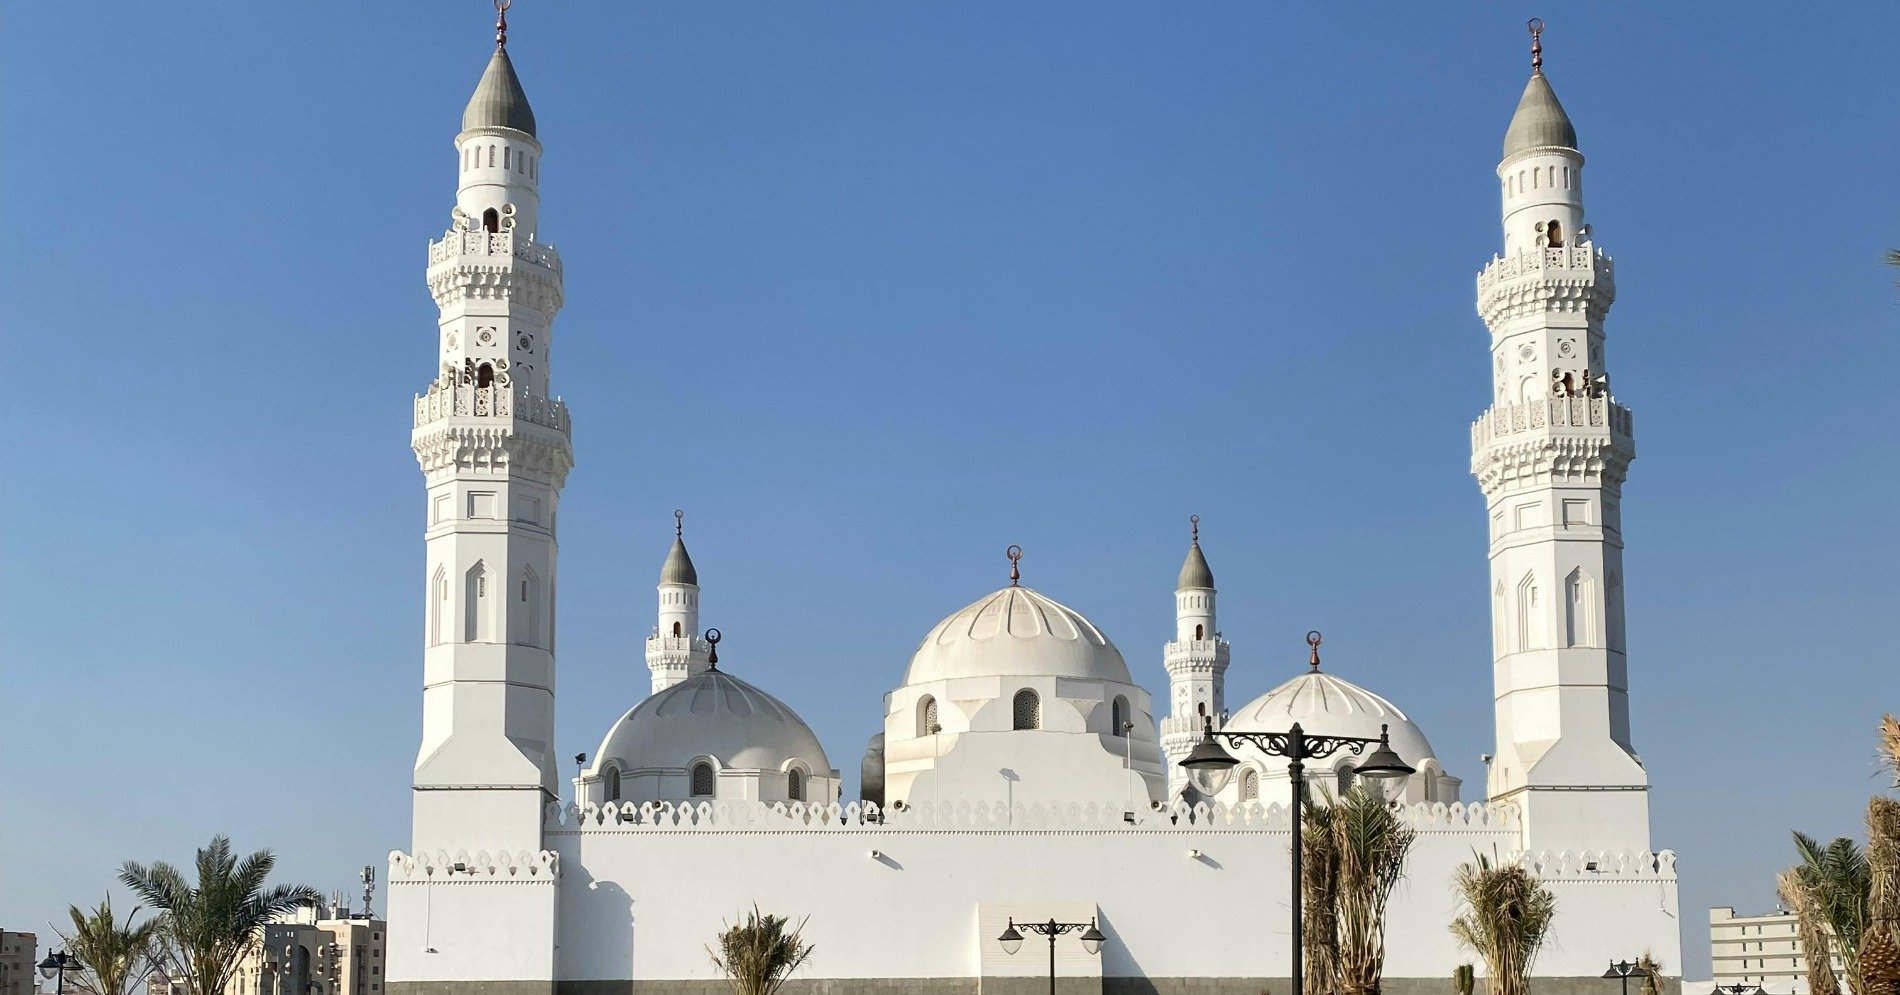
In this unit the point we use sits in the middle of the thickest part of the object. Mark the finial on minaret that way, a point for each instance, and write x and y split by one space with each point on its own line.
679 524
712 651
501 22
1015 554
1536 24
1312 639
1195 522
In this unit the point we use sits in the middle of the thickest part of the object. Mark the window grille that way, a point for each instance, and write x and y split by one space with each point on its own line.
1118 714
702 780
795 785
1028 710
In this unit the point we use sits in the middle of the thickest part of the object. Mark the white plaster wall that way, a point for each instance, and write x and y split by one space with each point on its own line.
884 901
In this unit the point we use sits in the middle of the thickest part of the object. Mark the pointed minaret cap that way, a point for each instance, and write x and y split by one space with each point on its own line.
499 100
1195 573
1540 121
679 566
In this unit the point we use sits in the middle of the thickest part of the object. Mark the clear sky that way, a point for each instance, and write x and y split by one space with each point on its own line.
874 290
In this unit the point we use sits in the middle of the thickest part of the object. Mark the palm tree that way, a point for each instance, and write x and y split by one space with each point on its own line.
759 954
1837 880
212 922
1811 933
1319 896
114 954
1371 842
1507 916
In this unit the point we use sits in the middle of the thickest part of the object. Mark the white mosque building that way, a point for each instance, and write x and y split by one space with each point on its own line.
1020 770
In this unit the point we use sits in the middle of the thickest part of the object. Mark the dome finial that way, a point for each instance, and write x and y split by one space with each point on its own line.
1536 24
712 649
1015 554
1194 521
679 524
1313 640
501 22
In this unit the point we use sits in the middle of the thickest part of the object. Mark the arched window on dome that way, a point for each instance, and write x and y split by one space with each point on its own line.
702 780
795 784
1027 709
1250 785
1118 716
1346 776
613 783
927 717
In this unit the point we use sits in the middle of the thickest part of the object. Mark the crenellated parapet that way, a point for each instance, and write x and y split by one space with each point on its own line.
524 866
452 396
1110 816
1568 438
484 265
1575 279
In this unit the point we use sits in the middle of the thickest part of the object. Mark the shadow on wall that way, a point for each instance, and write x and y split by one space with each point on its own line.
606 909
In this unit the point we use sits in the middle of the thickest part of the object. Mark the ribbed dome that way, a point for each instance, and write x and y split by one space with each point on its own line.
499 101
1016 632
1325 705
678 568
1195 573
712 714
1540 120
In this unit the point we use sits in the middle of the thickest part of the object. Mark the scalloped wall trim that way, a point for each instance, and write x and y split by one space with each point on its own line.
501 866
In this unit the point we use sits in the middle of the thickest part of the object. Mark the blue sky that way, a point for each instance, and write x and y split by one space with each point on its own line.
875 290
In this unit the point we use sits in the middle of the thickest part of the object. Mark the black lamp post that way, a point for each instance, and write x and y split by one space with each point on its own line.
1012 939
1297 747
1626 970
54 966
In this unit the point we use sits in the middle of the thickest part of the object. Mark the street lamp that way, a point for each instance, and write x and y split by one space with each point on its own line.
1626 970
1012 939
1297 747
54 966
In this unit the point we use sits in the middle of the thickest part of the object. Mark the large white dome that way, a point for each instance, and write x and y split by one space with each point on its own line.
1016 632
711 714
1326 705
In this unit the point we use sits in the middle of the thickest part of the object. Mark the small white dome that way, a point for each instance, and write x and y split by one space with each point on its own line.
1016 632
712 714
1325 705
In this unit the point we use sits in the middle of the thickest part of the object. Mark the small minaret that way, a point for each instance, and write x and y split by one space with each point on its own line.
1551 456
1196 660
676 650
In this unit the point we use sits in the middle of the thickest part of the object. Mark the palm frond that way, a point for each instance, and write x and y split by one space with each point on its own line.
1507 917
758 955
1811 930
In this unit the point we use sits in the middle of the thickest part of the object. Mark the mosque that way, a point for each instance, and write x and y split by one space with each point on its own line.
1020 772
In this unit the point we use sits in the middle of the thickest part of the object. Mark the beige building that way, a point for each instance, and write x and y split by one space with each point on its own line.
314 952
1761 950
19 963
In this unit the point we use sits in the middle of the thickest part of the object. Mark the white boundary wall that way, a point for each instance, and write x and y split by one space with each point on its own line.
1180 894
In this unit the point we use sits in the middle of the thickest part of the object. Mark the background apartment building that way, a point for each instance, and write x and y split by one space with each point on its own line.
1761 950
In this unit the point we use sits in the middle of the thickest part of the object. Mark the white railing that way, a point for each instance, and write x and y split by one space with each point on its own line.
449 398
1551 412
457 244
1577 261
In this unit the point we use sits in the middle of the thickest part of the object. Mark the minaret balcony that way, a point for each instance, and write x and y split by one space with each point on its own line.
450 398
481 246
1195 654
1554 416
1566 278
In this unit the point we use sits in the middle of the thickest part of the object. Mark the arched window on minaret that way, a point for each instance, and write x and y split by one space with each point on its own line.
478 625
1527 626
439 606
1580 609
1200 632
485 375
676 630
491 220
1554 233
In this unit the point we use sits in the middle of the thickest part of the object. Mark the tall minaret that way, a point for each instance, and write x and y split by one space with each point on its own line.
676 650
1196 660
1551 455
494 449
